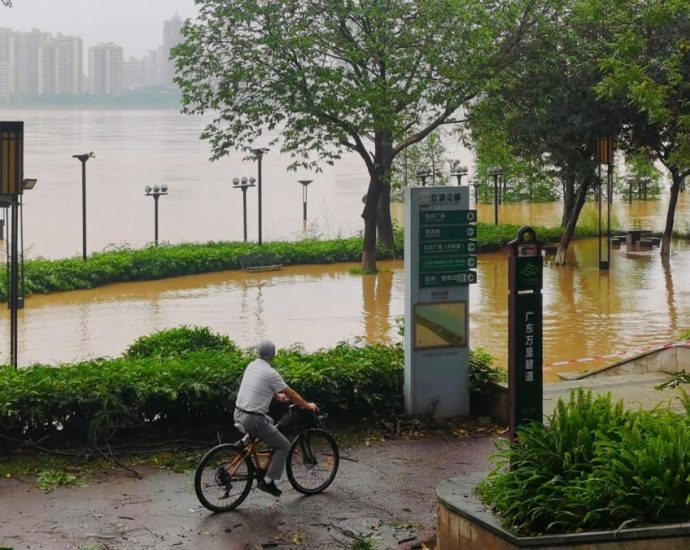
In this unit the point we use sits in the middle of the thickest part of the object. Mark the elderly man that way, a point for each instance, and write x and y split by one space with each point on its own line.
260 384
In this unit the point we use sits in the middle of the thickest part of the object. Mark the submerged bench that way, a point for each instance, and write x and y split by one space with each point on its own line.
260 261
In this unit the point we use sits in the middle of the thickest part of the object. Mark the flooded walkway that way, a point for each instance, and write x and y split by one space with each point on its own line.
587 313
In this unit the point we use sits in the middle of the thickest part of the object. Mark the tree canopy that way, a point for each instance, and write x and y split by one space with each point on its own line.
370 76
647 66
544 109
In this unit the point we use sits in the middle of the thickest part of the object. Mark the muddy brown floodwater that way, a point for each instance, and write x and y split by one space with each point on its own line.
587 313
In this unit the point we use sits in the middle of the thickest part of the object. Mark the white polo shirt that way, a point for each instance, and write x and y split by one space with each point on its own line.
259 382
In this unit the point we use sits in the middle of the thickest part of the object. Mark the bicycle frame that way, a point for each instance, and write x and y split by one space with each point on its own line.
250 451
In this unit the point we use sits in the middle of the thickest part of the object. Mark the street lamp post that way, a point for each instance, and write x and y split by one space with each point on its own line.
495 171
644 182
243 184
475 185
304 183
83 158
458 170
156 193
259 153
422 174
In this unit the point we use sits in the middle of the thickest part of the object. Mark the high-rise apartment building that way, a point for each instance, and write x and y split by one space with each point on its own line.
172 36
7 41
27 54
60 66
106 69
140 73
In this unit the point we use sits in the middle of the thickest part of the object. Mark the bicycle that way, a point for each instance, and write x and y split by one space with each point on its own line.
226 472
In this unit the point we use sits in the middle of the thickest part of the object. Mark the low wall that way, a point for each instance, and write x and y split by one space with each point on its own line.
463 523
671 360
494 402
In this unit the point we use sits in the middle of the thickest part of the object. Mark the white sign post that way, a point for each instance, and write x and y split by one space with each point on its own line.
440 258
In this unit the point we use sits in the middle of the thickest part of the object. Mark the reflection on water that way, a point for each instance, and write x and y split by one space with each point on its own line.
315 305
587 313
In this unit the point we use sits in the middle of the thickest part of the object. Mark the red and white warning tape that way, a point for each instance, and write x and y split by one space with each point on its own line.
619 354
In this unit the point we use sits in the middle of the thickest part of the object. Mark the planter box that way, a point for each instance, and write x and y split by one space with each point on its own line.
463 523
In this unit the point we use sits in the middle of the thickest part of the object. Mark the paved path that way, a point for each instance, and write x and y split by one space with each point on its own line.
637 391
386 489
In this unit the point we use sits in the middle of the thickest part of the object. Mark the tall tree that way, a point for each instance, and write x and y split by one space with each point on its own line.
546 108
371 76
647 65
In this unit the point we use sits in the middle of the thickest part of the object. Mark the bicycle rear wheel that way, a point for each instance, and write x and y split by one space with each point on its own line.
313 461
223 478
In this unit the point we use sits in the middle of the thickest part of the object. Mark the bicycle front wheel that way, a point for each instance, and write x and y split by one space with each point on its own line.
223 478
313 461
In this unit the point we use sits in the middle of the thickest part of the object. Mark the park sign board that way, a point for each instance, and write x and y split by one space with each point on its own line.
440 262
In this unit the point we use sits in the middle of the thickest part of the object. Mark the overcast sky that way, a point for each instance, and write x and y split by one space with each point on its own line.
136 25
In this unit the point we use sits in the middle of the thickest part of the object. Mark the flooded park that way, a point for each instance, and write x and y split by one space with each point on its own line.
641 301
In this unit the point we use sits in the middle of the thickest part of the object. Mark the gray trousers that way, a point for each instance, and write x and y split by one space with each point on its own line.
261 426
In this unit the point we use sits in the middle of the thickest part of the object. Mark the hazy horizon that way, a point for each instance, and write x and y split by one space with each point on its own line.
136 25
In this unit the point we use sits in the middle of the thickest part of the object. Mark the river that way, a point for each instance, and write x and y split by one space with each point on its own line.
587 313
137 148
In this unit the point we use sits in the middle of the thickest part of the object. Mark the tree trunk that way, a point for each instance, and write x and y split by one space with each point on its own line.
573 216
384 222
370 220
671 214
379 184
568 200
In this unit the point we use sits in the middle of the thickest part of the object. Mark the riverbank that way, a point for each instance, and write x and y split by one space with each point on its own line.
43 276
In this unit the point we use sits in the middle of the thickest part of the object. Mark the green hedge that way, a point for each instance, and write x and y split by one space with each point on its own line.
594 466
162 385
44 276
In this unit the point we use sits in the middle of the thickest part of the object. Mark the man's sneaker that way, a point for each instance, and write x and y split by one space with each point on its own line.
269 488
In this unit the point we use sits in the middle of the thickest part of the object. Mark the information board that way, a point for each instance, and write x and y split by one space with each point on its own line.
440 263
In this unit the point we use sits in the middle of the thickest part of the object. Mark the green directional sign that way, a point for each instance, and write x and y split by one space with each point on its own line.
447 233
429 280
449 217
447 263
444 248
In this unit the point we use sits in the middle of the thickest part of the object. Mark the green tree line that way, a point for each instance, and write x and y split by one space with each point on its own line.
530 86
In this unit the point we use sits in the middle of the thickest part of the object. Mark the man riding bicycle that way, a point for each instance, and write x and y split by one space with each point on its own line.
260 384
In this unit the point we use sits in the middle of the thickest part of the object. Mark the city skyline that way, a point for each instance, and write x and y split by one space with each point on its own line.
41 64
99 22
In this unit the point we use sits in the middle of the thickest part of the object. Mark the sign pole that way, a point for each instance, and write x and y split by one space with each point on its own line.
525 330
11 188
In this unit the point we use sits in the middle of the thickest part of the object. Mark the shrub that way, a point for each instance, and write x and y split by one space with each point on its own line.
594 466
184 381
483 371
179 341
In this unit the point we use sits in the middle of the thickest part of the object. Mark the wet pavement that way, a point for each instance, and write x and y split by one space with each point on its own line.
385 490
